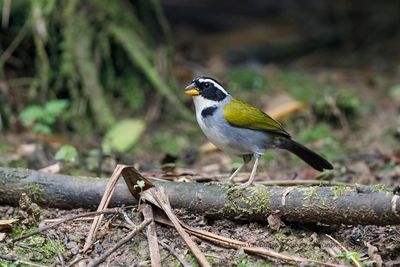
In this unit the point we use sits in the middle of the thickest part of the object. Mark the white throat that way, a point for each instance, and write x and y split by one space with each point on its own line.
201 103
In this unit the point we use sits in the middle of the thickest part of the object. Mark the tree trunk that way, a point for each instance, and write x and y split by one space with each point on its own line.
312 204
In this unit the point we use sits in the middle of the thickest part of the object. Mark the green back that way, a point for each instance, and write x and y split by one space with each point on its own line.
241 114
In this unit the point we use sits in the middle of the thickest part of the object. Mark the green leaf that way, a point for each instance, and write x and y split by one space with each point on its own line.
140 183
123 135
349 256
67 153
54 108
41 128
31 114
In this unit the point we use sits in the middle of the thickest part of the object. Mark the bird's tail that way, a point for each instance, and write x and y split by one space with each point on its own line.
313 159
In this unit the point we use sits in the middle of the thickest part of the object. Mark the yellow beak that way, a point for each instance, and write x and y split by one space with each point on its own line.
192 90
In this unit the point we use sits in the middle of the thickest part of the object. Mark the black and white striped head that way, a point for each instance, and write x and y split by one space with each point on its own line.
207 88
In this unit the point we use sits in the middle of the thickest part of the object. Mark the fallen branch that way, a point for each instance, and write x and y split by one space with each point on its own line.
306 204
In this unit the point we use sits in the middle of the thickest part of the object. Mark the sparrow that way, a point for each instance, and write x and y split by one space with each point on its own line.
241 129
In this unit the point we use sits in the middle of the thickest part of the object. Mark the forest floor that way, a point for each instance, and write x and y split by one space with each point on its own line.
351 116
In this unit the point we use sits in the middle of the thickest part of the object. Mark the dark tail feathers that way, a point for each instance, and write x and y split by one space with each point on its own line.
312 158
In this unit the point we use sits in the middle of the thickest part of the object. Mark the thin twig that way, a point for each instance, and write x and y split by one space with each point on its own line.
106 254
128 221
15 260
76 260
59 255
159 198
152 236
111 185
47 227
173 253
355 261
26 246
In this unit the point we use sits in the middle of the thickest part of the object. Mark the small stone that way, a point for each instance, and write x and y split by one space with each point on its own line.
275 222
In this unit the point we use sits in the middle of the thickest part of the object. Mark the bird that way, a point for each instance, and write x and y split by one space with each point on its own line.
241 129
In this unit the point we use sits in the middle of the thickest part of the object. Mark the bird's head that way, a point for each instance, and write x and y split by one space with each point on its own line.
207 88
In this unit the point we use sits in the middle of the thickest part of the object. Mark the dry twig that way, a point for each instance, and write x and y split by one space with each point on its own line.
18 261
151 236
70 218
106 254
158 197
103 204
355 261
176 255
59 255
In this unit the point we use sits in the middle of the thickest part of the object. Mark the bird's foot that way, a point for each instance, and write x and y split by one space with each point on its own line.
245 185
227 181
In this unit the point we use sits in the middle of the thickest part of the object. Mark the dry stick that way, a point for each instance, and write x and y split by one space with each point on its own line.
70 218
270 253
355 261
76 260
106 254
13 259
152 236
59 255
103 204
176 255
158 193
129 221
221 240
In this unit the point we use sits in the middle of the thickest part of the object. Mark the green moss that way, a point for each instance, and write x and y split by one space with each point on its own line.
19 163
242 202
338 191
34 190
308 192
382 188
42 249
379 187
191 260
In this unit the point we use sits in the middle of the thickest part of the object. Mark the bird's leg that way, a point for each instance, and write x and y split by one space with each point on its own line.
229 180
253 173
246 159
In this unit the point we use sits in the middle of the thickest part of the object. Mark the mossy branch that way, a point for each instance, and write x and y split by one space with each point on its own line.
313 204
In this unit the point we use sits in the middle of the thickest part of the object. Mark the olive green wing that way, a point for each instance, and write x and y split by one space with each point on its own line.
241 114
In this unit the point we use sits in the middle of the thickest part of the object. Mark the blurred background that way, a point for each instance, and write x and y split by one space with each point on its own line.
94 83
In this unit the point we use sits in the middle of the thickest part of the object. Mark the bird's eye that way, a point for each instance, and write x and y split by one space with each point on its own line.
206 85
